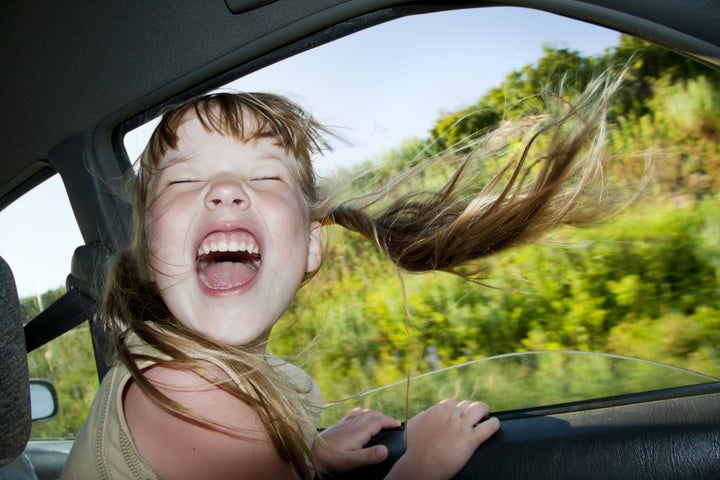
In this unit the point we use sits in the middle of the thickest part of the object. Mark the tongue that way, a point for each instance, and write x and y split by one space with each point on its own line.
227 275
232 267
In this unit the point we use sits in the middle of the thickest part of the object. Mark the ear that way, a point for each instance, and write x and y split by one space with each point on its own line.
315 247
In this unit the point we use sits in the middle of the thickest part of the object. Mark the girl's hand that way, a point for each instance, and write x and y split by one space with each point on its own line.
442 439
340 447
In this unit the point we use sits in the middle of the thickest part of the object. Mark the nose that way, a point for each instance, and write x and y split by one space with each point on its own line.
226 192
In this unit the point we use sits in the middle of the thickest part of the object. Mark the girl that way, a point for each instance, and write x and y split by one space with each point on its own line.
227 227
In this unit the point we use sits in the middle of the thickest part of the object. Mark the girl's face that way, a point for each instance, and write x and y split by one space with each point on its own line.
229 236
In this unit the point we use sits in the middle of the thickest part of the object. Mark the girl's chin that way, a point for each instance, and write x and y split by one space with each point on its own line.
232 325
237 339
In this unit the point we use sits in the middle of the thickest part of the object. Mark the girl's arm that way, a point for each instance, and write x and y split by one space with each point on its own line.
175 448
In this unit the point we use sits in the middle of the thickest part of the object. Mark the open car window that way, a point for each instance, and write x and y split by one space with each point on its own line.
641 284
39 237
390 83
40 234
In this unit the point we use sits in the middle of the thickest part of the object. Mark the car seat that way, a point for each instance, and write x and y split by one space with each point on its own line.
14 379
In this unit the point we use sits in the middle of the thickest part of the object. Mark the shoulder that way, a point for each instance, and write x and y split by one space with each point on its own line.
299 377
99 449
177 447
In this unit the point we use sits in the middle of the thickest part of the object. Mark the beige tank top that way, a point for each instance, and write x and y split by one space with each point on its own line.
104 449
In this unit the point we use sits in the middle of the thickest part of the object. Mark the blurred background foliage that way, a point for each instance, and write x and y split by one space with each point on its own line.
643 283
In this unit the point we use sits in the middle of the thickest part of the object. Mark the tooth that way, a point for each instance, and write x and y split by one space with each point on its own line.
242 247
255 249
233 246
213 247
223 246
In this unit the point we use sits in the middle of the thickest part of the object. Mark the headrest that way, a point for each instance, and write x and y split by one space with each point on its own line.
15 419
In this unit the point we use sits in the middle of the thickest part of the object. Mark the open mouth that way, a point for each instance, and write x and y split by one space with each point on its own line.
228 260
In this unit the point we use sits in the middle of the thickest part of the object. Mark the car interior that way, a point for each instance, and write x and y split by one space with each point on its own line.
80 75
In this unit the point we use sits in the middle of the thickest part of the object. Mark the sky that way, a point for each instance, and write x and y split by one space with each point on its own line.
376 88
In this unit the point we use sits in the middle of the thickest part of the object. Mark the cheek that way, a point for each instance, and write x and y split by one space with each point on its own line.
166 225
286 208
161 247
154 259
152 235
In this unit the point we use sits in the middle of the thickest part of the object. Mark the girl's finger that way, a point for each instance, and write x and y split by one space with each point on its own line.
476 412
354 412
484 430
366 456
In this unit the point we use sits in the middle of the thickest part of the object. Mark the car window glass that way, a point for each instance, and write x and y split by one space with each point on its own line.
39 237
643 284
69 364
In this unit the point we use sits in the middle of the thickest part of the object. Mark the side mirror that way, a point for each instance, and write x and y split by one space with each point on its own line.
44 403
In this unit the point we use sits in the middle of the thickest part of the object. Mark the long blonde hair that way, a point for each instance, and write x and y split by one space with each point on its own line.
445 229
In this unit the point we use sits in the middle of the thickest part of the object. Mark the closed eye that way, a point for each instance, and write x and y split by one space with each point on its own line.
184 180
268 177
